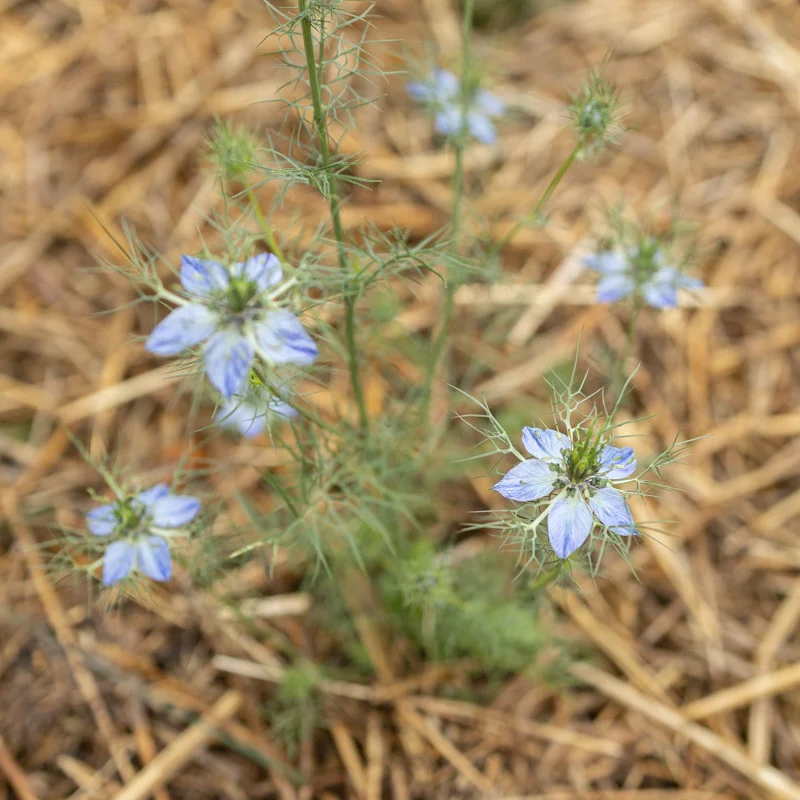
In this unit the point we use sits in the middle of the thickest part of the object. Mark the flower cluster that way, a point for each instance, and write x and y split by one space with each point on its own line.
641 271
234 312
442 92
579 474
138 526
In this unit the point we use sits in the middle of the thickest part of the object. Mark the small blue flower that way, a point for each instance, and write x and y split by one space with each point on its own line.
580 474
442 93
250 417
139 525
230 311
642 270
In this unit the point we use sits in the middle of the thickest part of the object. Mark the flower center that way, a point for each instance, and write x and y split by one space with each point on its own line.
242 294
645 261
583 460
131 517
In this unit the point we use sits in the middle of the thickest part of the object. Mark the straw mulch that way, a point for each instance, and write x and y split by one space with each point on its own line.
692 692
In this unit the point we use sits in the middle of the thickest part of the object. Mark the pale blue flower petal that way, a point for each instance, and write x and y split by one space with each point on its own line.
153 558
183 328
149 496
546 444
282 339
175 510
569 523
201 277
614 287
660 295
530 480
448 121
489 103
616 462
607 262
612 510
447 85
282 409
228 357
481 127
690 282
661 290
264 270
421 91
102 520
441 87
250 420
118 561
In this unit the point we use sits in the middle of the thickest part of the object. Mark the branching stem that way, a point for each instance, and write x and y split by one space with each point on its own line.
321 128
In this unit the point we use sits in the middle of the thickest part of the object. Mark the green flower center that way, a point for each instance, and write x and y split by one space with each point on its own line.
645 261
583 460
131 518
241 295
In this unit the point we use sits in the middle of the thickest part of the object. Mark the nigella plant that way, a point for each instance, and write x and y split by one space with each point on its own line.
442 93
596 112
571 498
578 475
235 312
136 529
643 271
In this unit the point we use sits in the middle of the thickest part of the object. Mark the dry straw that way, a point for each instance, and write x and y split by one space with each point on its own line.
104 107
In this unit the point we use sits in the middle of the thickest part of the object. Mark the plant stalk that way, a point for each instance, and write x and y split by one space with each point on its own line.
627 351
321 128
544 579
440 338
551 187
266 231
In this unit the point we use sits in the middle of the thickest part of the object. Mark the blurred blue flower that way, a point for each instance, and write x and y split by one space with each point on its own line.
139 525
250 417
442 92
641 271
581 474
230 311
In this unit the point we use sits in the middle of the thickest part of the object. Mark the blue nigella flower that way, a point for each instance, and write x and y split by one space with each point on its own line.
251 418
442 92
641 271
582 474
231 311
139 525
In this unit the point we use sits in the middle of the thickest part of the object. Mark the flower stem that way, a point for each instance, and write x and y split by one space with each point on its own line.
551 187
618 376
321 128
544 579
266 231
440 337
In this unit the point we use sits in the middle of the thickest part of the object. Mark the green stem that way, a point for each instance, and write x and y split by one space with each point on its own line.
627 350
266 231
544 579
440 338
551 187
321 127
466 99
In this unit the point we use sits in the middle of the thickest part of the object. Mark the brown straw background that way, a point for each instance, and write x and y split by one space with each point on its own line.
693 688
